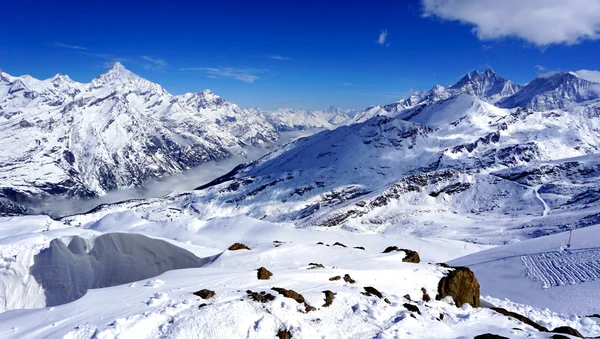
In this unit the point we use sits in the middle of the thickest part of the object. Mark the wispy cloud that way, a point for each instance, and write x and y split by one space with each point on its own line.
156 61
382 38
61 45
540 68
248 75
279 57
486 47
348 84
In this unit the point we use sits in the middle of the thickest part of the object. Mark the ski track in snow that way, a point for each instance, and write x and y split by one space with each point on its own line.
559 268
546 207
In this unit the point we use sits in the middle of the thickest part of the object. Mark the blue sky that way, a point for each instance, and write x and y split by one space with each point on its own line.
302 54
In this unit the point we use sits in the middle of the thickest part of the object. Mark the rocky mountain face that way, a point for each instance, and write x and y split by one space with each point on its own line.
61 137
432 169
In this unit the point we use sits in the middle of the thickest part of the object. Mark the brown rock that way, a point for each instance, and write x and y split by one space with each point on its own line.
391 248
201 305
426 297
520 317
348 279
289 294
261 297
315 265
329 296
490 336
387 300
411 256
337 277
412 308
568 330
407 297
205 294
339 244
263 274
461 285
373 291
238 246
284 334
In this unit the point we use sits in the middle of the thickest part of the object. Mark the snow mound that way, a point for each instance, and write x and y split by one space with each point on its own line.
69 267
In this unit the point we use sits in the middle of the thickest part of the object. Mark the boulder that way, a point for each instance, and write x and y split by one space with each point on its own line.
568 330
412 308
263 274
238 246
329 296
349 279
261 297
284 334
205 294
490 336
411 256
461 285
369 290
314 265
337 277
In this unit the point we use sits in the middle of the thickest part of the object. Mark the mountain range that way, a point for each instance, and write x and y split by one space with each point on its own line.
64 138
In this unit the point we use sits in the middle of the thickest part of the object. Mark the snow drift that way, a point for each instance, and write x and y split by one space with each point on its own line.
67 269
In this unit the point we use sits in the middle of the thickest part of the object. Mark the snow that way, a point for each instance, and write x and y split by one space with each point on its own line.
165 307
543 272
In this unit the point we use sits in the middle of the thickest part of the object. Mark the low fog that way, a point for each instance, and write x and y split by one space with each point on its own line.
185 181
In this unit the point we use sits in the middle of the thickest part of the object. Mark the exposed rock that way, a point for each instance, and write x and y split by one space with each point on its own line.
461 285
261 297
238 246
289 294
426 297
387 300
490 336
339 244
411 256
520 317
329 296
559 336
391 248
315 265
320 243
412 308
284 334
202 305
369 290
359 248
568 330
407 297
337 277
348 279
263 274
205 294
277 243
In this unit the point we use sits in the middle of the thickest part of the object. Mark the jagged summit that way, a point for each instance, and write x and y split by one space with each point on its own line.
554 90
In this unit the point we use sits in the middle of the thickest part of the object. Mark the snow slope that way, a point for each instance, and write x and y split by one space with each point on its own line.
165 307
543 272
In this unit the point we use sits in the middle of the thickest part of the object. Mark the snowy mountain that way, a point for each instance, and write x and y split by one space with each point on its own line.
557 90
470 164
60 137
487 86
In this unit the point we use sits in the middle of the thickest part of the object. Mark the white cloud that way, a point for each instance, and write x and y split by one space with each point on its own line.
382 37
279 57
542 22
156 61
248 75
61 45
540 68
593 76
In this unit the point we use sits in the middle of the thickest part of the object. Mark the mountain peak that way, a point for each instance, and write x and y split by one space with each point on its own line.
120 77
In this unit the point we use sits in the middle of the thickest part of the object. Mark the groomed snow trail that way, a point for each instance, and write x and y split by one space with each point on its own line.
559 268
546 207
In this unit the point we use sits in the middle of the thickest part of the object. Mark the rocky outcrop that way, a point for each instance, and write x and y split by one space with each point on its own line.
461 285
568 330
205 293
521 318
263 274
238 246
